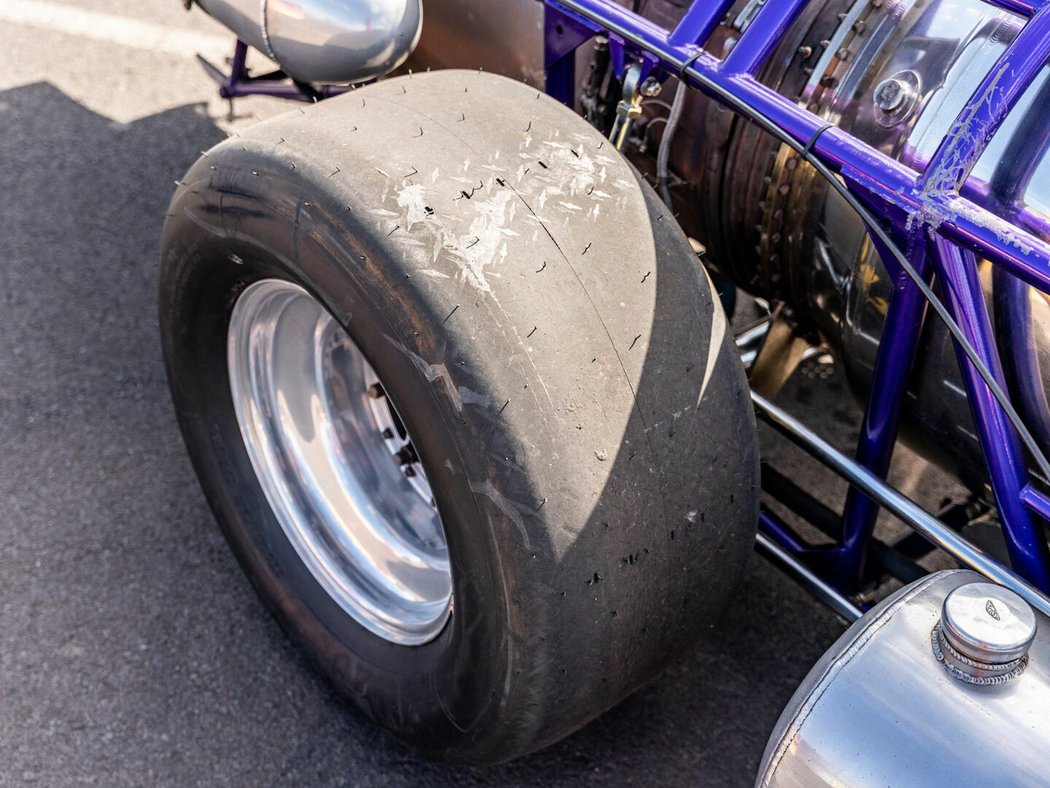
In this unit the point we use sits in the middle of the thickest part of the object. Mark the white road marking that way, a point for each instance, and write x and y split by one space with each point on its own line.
113 29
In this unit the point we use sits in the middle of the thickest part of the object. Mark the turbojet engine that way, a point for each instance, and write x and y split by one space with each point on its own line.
896 75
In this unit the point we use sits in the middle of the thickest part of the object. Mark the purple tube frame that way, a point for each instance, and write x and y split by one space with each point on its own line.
941 230
239 83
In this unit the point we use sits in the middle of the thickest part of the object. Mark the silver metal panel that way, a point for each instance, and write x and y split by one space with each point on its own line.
879 709
325 40
342 40
243 17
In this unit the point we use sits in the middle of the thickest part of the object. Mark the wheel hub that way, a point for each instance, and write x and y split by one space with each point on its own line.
336 464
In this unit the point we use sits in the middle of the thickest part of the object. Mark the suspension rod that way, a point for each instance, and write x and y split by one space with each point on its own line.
898 504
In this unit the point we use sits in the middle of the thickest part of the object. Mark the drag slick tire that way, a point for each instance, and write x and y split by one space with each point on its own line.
456 270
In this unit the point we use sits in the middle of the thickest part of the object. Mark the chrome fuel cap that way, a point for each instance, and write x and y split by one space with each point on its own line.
984 633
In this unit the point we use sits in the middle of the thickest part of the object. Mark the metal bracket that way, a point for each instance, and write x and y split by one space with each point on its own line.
630 106
781 353
239 82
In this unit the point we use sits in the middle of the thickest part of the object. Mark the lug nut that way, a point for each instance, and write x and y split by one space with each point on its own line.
375 391
406 455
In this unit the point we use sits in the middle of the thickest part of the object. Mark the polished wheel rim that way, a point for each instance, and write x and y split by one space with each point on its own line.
336 463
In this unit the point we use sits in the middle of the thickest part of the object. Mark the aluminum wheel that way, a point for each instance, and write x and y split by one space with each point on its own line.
337 464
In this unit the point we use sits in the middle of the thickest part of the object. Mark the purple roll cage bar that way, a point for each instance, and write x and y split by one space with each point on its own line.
927 212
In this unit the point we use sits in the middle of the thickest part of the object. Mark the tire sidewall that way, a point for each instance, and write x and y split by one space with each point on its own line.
442 688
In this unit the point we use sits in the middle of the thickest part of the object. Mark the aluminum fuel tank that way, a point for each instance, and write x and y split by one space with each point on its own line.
947 682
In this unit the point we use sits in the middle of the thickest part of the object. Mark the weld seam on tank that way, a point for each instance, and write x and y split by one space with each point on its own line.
837 666
944 653
264 23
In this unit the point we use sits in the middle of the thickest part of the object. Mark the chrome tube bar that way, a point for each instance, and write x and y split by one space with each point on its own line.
898 504
799 572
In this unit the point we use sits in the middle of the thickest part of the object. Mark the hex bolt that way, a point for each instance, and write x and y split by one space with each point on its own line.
651 87
890 94
376 391
406 455
388 433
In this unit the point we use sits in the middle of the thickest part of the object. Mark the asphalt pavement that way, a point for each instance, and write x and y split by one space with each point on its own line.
132 649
